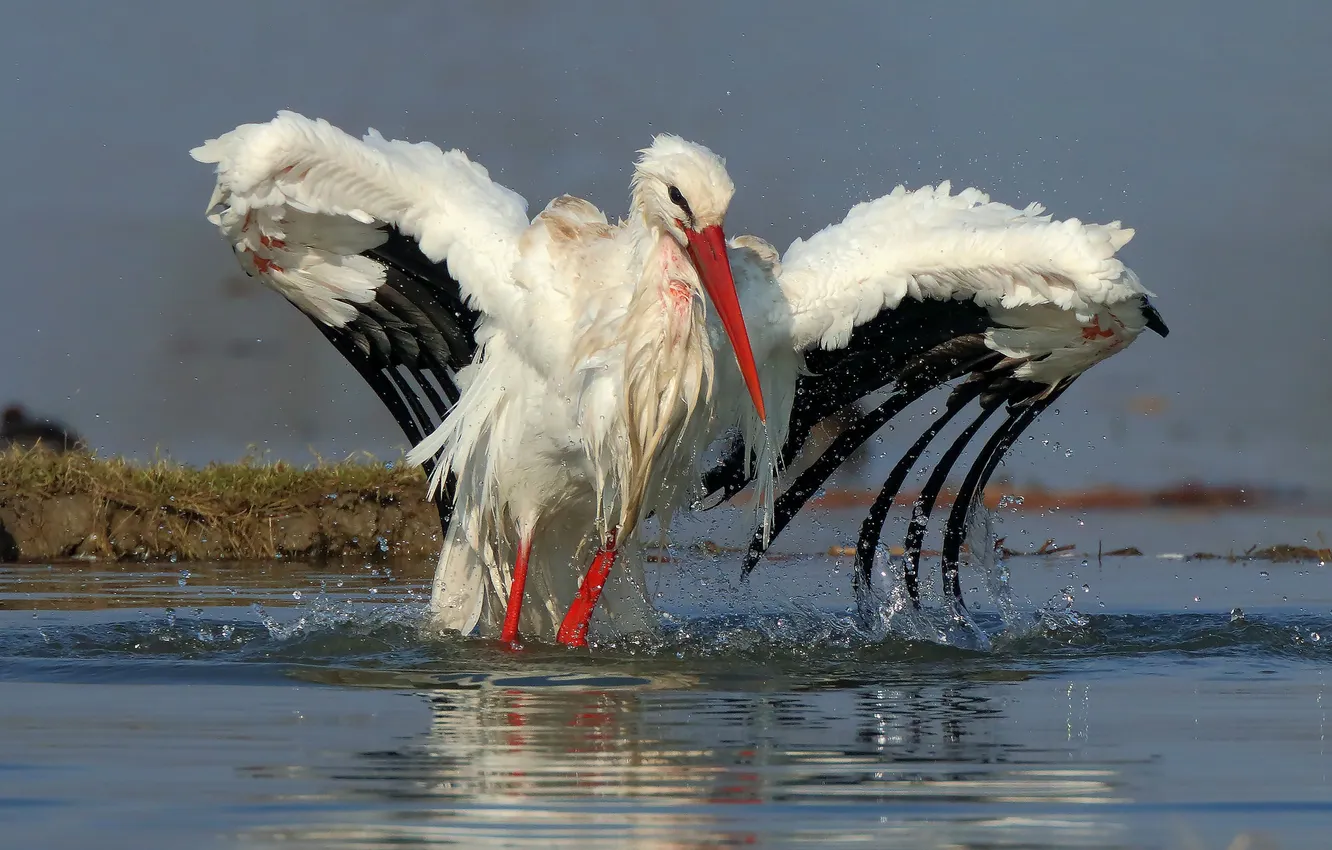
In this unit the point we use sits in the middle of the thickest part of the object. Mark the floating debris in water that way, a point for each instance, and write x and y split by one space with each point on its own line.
1049 547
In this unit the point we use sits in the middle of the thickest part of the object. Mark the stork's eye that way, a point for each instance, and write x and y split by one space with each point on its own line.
679 200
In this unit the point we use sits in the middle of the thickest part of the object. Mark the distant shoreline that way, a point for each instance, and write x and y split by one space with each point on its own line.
59 506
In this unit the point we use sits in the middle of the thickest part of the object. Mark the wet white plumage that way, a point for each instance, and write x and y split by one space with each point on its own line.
593 391
540 440
1045 281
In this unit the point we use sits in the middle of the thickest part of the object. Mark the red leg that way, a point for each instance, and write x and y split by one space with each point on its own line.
515 606
573 631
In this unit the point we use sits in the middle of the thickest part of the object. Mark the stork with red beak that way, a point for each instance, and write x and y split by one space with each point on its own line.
560 377
582 400
595 412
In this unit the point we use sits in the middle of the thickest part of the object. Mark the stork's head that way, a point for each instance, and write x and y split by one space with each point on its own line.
680 186
682 189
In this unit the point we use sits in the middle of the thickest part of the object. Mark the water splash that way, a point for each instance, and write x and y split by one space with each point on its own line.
1058 612
982 540
885 609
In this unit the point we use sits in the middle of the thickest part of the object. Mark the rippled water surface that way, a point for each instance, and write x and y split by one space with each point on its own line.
278 704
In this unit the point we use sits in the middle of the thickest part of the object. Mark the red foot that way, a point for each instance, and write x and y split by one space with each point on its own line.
573 631
515 607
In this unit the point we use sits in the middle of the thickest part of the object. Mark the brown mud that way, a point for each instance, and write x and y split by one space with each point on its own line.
56 506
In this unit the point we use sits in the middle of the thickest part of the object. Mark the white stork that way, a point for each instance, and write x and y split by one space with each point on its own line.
592 393
574 377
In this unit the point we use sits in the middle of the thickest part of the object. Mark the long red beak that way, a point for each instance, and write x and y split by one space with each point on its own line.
707 248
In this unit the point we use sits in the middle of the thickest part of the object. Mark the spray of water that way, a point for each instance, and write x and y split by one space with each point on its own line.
885 610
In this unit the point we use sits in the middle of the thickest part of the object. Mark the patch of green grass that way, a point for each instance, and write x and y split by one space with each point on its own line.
212 491
59 505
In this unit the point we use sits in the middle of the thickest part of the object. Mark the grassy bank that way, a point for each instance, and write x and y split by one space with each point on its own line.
64 505
72 505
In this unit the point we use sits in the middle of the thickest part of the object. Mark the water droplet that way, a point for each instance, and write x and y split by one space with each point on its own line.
1086 588
295 594
1264 573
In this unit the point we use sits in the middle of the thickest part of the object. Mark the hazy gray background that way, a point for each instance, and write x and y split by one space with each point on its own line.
1206 126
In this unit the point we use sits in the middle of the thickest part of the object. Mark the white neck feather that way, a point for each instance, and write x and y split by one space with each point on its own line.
667 381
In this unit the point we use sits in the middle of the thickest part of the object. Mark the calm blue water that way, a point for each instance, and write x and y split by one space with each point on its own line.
266 705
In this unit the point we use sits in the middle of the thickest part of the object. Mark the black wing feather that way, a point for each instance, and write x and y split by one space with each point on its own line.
410 341
880 353
914 348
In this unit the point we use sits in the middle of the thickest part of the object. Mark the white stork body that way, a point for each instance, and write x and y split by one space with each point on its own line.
594 376
548 454
592 392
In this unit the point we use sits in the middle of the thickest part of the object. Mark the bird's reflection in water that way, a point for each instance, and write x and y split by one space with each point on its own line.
659 765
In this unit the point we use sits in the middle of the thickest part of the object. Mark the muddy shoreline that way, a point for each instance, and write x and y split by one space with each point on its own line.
67 506
367 526
54 507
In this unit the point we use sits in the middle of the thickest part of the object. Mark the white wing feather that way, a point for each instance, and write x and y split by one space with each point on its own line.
304 198
932 244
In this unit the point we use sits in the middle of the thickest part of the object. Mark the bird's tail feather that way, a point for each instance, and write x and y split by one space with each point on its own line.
459 588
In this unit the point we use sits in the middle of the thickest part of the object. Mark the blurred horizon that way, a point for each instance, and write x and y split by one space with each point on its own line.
1204 126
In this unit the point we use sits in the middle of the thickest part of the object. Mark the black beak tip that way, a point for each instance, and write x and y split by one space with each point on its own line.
1154 320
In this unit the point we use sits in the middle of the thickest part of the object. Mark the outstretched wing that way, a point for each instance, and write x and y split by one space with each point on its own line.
391 249
917 289
930 243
